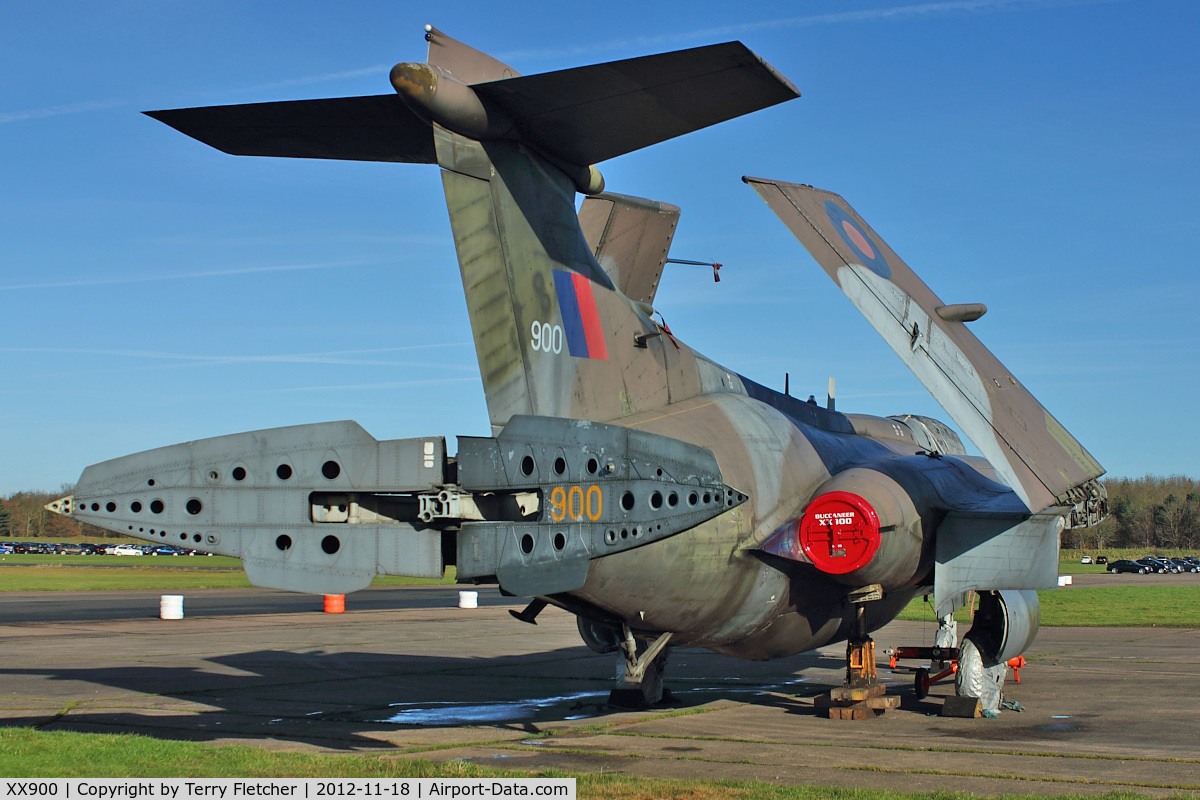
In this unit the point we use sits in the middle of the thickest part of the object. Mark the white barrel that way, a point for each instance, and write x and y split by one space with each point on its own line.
468 599
170 606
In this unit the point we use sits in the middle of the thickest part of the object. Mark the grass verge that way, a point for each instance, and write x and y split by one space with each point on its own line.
1103 606
50 578
58 754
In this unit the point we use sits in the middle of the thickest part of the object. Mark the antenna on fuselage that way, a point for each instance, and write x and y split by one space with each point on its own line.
830 399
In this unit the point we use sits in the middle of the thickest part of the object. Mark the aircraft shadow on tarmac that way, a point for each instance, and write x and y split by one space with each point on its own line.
339 700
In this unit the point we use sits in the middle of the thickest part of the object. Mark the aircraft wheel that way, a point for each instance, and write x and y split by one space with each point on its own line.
921 683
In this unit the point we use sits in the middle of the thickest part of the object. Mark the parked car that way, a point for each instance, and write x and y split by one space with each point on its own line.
163 550
1125 565
1154 565
1185 565
70 549
1085 560
7 547
1101 559
127 550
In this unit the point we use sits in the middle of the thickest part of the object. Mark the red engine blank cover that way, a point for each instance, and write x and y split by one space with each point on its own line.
839 532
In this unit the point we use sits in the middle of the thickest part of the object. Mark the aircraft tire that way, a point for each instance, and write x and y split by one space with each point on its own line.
968 681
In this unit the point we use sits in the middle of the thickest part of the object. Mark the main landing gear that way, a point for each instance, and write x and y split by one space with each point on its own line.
639 677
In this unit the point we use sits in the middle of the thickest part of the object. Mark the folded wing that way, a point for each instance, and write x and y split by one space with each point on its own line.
1029 448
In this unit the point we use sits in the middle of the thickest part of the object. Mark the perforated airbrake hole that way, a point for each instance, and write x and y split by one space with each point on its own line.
157 506
239 473
110 506
135 507
331 544
527 544
283 472
150 482
560 541
692 499
284 542
560 465
195 537
194 506
656 500
527 466
331 469
627 501
672 500
592 466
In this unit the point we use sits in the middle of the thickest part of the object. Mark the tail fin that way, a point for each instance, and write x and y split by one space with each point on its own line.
554 334
1029 448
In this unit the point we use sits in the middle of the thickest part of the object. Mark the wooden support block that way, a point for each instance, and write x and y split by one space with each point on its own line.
966 707
856 711
856 694
883 703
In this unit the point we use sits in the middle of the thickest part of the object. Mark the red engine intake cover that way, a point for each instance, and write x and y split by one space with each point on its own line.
839 532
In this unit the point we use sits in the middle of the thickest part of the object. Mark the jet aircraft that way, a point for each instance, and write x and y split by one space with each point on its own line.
663 499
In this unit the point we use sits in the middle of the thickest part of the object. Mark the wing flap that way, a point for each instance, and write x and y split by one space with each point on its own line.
1030 449
372 128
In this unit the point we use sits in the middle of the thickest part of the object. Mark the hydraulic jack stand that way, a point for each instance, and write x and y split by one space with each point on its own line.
861 696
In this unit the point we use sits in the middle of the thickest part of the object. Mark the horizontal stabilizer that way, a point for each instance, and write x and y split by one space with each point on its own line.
374 128
1030 450
590 114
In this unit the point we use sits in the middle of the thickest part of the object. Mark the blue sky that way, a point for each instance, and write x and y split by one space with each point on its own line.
1038 156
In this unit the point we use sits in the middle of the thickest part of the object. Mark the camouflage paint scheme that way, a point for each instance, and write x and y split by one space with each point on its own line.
560 308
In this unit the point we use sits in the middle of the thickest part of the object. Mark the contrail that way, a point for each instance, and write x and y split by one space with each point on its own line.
834 18
937 7
337 357
217 273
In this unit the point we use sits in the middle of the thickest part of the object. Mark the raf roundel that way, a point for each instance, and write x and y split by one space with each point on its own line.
857 239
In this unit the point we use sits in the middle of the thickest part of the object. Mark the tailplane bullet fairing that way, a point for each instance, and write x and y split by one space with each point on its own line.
662 498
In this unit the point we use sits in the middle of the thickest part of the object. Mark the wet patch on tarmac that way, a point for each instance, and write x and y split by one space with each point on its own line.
442 714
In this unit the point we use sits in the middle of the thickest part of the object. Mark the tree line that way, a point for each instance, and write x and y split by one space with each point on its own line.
1151 513
23 516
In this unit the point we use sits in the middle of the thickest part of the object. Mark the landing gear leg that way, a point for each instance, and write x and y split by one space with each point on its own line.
639 677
